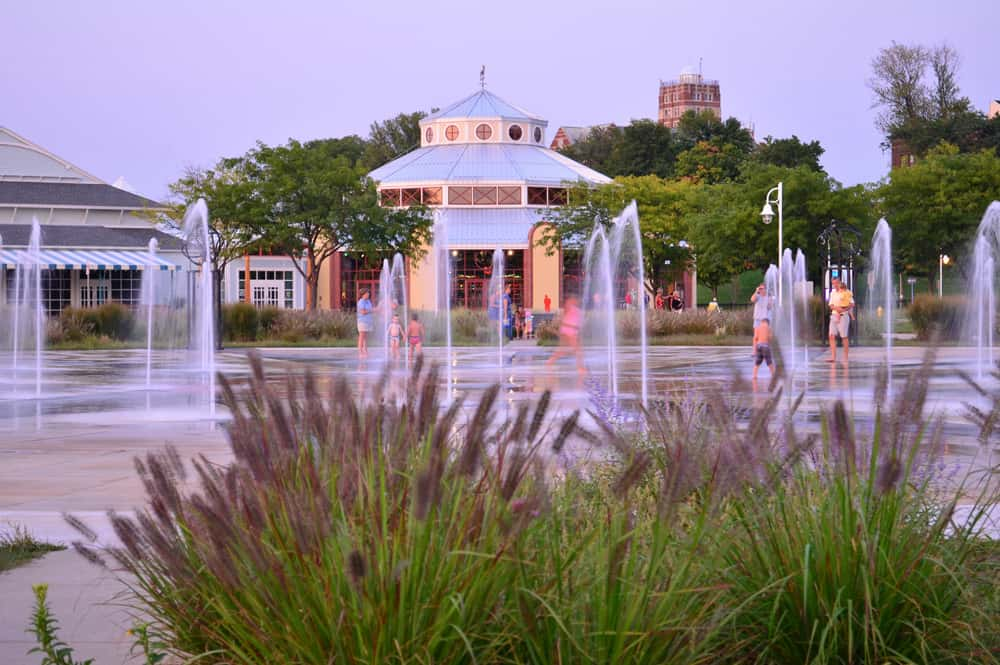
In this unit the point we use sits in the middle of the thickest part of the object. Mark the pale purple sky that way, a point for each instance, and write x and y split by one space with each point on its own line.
141 89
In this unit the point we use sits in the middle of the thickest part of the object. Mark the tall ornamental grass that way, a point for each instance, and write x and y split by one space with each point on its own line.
393 528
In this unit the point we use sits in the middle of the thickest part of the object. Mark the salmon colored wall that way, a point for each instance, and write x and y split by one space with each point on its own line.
545 271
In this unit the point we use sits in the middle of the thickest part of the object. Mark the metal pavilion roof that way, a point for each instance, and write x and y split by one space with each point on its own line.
483 104
485 162
488 228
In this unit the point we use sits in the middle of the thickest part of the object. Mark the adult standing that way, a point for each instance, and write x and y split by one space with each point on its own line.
841 313
660 302
365 322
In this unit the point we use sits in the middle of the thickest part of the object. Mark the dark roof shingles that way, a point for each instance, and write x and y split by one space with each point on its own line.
23 193
16 235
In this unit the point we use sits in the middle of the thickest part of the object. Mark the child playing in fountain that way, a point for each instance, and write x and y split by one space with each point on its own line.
762 347
415 335
395 333
569 335
529 324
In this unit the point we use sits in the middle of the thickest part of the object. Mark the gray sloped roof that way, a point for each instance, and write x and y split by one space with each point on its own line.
16 235
484 163
483 104
87 195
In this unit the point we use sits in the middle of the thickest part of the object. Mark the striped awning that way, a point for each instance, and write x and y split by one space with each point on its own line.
79 259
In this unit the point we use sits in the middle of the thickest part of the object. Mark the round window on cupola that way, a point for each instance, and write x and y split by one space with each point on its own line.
538 134
429 135
484 132
451 132
515 132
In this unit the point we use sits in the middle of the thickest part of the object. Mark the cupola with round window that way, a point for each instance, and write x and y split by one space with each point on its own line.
483 131
515 132
538 134
429 135
451 132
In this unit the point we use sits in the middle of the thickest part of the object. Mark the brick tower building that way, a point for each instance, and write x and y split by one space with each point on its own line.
690 92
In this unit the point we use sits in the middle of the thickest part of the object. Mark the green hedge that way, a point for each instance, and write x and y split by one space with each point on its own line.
941 317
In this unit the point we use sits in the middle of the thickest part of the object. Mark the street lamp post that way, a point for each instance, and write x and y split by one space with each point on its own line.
767 214
943 260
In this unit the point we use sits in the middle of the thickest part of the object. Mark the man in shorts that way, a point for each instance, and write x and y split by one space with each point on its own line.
841 312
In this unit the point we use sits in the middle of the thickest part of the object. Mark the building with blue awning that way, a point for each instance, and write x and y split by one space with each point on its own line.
94 236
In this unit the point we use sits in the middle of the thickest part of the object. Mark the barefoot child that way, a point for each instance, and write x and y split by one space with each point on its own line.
415 335
762 347
395 336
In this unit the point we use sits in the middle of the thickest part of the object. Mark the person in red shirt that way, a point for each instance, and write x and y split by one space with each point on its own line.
548 303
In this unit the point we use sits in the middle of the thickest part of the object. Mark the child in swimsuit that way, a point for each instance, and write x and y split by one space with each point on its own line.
415 335
395 336
762 347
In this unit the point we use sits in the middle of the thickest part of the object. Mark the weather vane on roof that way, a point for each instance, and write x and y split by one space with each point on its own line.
482 77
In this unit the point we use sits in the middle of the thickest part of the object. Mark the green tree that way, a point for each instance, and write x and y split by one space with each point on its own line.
693 128
935 205
711 162
392 138
313 199
225 188
789 153
599 150
646 148
662 206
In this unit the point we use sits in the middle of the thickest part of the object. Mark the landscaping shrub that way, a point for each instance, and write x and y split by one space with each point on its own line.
663 323
294 325
114 320
939 318
73 325
240 322
267 318
547 332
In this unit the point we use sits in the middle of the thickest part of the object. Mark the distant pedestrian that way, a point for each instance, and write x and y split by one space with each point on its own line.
841 313
365 322
508 313
548 303
628 300
529 324
660 301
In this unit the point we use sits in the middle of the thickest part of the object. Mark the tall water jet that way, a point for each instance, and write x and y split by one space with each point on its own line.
392 298
599 300
199 250
383 308
802 294
790 281
28 319
626 245
149 300
981 318
881 296
442 289
497 302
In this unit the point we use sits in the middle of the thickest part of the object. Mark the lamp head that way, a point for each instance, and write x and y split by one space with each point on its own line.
946 259
767 213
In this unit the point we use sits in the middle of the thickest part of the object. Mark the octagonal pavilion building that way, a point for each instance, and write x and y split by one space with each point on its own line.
484 168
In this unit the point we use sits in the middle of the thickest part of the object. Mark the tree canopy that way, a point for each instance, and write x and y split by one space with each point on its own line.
935 205
310 200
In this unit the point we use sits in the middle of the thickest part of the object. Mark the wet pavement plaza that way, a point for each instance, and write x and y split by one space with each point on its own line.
72 449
